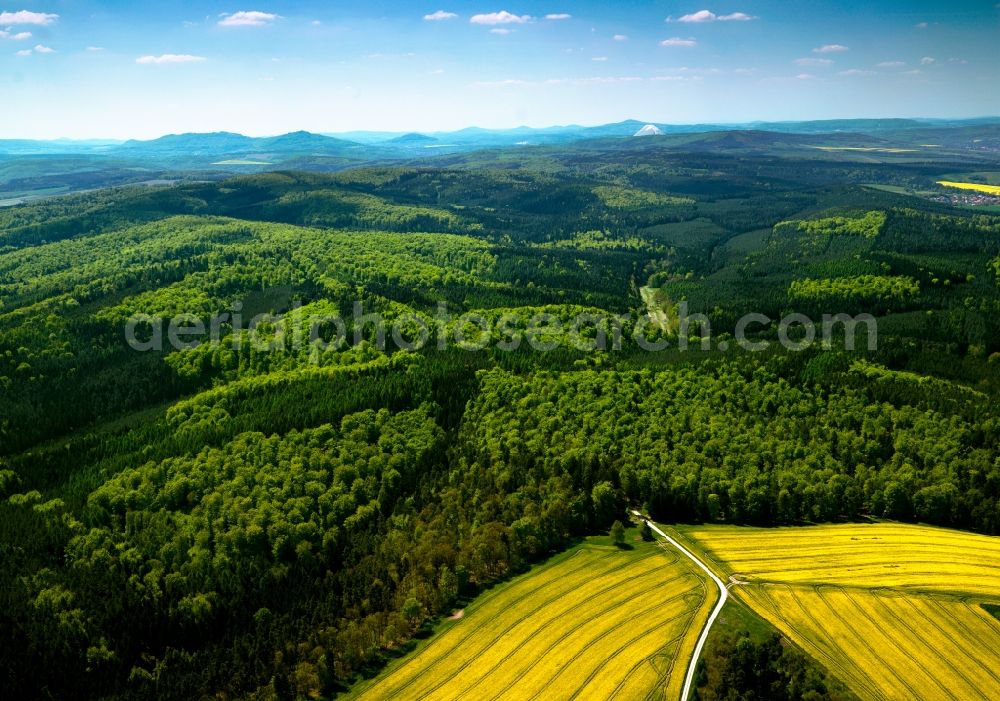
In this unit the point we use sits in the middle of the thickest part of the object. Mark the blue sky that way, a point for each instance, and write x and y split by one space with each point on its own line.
85 68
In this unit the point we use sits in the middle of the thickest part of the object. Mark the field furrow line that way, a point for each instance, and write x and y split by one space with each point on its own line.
637 615
529 614
565 582
865 644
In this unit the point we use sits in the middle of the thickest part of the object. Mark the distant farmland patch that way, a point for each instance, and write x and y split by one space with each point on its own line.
867 149
596 622
976 187
241 162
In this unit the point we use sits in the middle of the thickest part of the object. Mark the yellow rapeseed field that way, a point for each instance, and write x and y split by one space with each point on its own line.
978 187
597 622
893 610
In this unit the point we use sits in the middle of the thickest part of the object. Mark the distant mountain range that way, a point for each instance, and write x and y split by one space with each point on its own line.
31 169
389 144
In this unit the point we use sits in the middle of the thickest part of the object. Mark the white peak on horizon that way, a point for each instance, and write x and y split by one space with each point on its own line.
649 130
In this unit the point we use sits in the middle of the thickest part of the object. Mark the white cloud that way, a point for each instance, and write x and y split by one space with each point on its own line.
316 23
696 71
169 58
558 16
926 61
248 18
20 36
890 64
856 71
42 49
502 17
25 17
921 25
599 58
597 80
702 16
915 71
95 49
830 49
804 76
439 16
813 62
607 80
497 83
677 41
620 37
961 61
678 78
502 31
23 52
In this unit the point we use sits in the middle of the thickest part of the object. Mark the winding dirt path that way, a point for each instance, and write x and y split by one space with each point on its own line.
723 595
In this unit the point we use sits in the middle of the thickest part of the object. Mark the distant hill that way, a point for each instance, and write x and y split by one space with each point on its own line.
192 144
302 141
413 139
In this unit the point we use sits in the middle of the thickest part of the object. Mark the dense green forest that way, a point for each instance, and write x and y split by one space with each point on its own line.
274 520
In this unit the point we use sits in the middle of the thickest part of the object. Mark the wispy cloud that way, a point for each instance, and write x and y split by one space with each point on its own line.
702 16
599 58
921 25
890 64
677 41
596 80
813 62
927 60
497 83
856 72
95 49
555 17
804 76
25 17
440 16
248 18
20 36
502 31
830 49
603 80
688 70
169 58
502 17
620 37
39 49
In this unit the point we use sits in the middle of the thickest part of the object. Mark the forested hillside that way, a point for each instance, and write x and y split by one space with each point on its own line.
275 520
